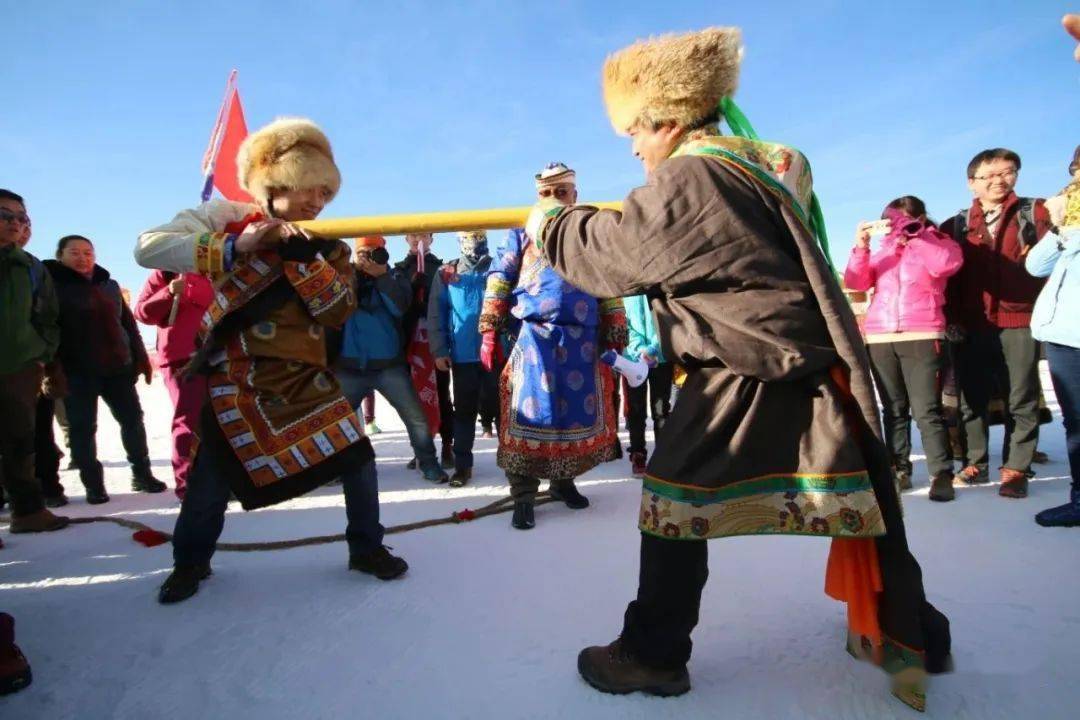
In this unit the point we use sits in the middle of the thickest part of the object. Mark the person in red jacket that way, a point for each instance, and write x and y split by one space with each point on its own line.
175 305
988 307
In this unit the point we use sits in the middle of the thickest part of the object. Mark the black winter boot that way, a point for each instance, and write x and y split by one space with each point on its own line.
523 515
566 491
183 583
94 483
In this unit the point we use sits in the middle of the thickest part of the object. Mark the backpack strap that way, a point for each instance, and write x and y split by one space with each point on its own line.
959 227
1025 217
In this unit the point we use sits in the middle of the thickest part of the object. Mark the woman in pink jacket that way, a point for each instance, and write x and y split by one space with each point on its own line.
175 305
905 330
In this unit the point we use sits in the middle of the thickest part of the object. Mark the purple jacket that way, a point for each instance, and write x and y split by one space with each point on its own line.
908 281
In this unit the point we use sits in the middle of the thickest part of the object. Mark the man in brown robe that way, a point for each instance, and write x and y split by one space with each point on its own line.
777 418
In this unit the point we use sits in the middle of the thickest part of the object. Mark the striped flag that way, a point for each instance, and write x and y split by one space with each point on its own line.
219 160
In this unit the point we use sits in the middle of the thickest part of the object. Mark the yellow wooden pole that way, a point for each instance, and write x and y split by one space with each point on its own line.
453 220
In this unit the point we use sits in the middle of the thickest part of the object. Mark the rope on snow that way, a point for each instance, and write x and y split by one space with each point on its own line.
151 537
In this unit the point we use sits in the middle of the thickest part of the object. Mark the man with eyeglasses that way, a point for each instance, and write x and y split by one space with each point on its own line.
29 337
989 305
558 420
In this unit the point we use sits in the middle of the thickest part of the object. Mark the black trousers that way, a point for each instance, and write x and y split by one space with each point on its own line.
471 383
46 453
657 625
652 396
908 379
988 359
118 392
446 408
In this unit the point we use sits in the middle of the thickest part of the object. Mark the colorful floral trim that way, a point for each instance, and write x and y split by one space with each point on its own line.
824 505
210 252
318 285
906 666
269 453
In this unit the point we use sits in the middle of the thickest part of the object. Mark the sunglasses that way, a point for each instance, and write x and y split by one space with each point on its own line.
559 193
8 216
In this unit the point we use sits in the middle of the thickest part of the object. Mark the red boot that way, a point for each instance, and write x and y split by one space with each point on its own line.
14 670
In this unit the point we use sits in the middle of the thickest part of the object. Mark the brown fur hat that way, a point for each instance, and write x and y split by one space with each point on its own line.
678 78
289 153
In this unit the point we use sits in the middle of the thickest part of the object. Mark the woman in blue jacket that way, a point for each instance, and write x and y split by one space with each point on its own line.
1056 323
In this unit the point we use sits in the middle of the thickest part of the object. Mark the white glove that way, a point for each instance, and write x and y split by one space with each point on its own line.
634 372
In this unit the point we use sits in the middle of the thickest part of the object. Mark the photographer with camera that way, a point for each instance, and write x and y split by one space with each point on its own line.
905 327
372 355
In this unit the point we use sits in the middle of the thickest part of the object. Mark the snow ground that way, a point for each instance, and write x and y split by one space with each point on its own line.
489 620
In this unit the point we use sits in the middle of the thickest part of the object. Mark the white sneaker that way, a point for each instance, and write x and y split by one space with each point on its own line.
371 428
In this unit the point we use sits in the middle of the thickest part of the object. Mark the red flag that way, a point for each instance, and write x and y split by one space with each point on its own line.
225 179
219 161
422 366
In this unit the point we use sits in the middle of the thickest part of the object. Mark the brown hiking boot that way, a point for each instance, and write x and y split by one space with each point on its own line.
14 670
41 521
971 476
903 479
1014 484
612 669
941 488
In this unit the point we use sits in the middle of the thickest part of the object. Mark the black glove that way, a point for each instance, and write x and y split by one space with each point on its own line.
298 249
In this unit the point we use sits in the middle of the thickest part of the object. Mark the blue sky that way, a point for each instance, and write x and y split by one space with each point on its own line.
439 106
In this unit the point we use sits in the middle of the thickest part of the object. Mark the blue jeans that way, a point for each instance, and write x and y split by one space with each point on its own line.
202 513
394 384
1065 374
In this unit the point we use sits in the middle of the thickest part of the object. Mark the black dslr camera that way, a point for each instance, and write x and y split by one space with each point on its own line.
379 256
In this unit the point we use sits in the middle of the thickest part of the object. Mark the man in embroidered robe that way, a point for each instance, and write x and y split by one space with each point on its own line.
276 423
777 427
558 419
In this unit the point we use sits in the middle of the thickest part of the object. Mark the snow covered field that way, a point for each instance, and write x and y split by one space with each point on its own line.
489 620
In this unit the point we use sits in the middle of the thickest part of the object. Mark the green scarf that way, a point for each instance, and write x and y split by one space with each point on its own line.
782 169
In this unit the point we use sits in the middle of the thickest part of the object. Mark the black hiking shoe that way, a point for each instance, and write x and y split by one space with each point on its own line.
460 478
96 495
55 501
379 563
183 583
523 515
147 484
411 465
613 669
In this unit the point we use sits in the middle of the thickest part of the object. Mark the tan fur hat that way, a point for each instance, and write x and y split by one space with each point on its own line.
289 153
678 78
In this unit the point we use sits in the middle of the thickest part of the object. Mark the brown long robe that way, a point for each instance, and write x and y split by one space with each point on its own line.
769 441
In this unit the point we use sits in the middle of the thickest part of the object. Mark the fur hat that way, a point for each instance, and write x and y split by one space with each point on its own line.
289 153
678 78
472 235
